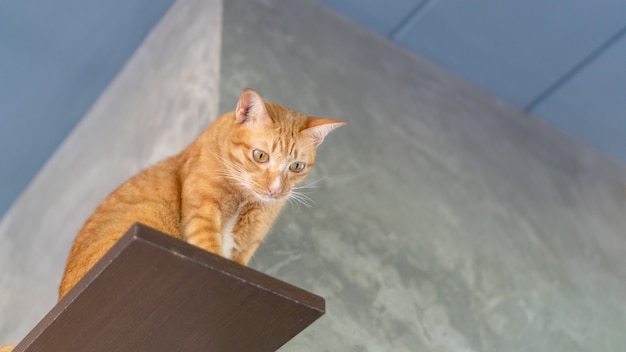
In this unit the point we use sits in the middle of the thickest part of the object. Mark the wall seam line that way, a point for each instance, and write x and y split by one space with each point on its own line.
411 19
570 74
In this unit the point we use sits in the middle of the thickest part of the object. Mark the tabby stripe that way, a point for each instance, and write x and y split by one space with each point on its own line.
198 217
231 155
208 243
241 144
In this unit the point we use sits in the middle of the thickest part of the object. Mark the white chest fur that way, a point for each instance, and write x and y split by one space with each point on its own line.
228 239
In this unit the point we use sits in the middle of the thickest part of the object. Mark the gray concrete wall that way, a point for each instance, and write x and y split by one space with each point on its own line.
166 93
562 61
443 219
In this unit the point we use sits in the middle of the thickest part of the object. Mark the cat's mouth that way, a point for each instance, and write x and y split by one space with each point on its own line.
269 196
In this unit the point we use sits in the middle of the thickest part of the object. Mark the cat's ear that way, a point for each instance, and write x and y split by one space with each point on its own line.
251 108
317 128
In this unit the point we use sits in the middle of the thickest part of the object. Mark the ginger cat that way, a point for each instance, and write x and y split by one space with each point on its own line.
222 193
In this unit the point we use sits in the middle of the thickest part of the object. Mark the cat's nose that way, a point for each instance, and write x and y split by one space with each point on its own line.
275 187
273 190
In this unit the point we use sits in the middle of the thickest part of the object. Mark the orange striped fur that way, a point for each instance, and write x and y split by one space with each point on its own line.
219 193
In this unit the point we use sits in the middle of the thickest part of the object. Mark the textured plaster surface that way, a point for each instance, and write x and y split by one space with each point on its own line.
162 98
443 219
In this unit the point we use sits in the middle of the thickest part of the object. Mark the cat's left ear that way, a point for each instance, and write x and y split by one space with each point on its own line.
251 108
317 128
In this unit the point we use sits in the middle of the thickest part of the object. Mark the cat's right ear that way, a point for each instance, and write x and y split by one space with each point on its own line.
251 108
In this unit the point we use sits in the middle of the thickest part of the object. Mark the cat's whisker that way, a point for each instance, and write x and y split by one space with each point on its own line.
229 165
302 193
312 184
235 172
301 188
302 201
291 201
240 178
242 181
230 174
298 198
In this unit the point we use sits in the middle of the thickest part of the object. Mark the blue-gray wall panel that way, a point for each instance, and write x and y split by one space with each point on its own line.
592 106
55 59
382 16
515 49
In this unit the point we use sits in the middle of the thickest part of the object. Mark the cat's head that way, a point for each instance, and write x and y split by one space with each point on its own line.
272 148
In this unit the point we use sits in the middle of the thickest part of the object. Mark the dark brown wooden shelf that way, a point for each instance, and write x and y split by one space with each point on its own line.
152 292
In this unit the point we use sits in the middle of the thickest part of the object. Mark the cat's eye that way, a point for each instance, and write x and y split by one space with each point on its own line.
260 156
297 166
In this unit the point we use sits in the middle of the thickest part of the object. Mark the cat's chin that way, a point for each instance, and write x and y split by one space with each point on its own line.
267 197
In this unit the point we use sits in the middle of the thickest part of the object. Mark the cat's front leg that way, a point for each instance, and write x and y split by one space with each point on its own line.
244 257
253 225
201 228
